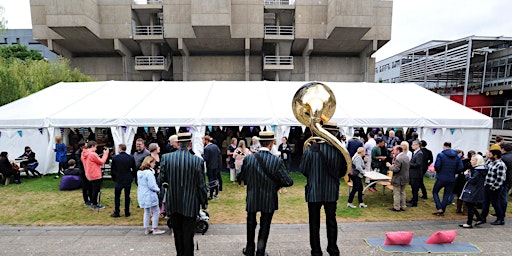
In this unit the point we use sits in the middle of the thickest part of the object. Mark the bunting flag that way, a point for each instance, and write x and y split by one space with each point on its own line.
240 127
461 130
146 129
262 127
188 129
20 133
210 128
444 130
251 128
434 130
177 129
156 128
273 127
62 130
124 129
82 129
415 129
303 128
40 130
452 130
395 129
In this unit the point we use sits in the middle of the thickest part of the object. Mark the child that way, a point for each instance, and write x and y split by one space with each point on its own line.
147 195
71 179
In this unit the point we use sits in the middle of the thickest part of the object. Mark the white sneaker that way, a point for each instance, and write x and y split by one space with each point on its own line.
351 205
158 231
362 205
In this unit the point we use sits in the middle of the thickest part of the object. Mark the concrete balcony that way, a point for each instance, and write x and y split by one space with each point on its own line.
147 6
276 33
276 63
151 63
280 4
151 33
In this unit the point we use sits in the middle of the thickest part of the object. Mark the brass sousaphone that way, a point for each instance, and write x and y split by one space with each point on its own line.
314 104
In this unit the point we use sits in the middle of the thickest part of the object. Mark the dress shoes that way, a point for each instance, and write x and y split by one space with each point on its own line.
115 215
127 214
480 222
393 209
247 253
498 222
438 212
465 226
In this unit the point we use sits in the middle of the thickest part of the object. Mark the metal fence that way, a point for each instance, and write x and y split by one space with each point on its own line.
280 30
150 61
149 30
148 1
278 60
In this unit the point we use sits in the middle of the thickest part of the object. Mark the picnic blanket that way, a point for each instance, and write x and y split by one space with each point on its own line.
418 246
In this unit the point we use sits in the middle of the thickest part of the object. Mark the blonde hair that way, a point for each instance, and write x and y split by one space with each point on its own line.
241 144
405 146
479 160
58 139
146 163
360 149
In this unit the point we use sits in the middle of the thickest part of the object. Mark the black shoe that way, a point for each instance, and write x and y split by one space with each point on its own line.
115 215
17 181
210 198
480 222
393 209
402 209
127 214
465 226
412 205
493 214
498 222
245 252
424 197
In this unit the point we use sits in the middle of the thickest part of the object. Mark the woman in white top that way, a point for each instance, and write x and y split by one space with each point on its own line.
405 147
147 196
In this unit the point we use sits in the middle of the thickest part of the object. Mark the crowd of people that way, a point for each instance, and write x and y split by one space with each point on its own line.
173 181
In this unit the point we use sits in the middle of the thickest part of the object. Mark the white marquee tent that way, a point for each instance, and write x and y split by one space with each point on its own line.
123 106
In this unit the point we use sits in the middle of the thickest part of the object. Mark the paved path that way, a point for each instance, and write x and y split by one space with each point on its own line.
230 239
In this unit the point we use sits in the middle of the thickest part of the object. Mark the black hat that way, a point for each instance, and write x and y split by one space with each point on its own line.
266 136
186 136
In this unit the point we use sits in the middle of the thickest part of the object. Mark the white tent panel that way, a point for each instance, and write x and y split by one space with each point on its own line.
227 104
171 104
105 107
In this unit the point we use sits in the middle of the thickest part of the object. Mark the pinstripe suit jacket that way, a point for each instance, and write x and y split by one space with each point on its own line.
262 190
321 186
187 189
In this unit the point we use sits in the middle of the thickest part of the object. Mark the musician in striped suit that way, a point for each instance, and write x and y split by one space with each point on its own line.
186 192
264 174
323 165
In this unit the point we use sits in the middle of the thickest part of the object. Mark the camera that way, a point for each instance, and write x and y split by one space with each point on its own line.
109 148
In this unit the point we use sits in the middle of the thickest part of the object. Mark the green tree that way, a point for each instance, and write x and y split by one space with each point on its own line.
20 78
20 52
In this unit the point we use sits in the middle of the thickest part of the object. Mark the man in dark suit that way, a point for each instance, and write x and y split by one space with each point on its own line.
264 174
213 158
183 173
415 172
324 166
123 165
400 169
428 158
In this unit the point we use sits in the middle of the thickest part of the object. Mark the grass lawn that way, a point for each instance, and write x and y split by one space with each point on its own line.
39 201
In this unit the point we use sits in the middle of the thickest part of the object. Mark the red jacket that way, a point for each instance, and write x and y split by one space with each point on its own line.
92 164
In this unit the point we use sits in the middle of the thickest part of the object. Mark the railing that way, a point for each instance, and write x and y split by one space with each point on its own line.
149 30
279 2
494 111
150 61
280 30
278 60
148 1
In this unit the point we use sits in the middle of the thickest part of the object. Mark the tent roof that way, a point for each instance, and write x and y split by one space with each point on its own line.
234 103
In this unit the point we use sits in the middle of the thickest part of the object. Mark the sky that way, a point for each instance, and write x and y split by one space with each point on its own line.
414 21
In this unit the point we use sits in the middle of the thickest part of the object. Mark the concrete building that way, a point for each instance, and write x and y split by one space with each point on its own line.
24 37
241 40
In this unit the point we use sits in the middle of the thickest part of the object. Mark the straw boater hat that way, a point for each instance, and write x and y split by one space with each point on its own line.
266 136
186 136
330 126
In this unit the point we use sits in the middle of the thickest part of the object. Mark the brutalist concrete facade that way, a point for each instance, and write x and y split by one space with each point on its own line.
243 40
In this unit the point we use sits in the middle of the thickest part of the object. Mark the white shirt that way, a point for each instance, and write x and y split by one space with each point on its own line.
368 146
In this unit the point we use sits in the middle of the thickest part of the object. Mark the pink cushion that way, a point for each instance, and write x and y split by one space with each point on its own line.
442 237
400 237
